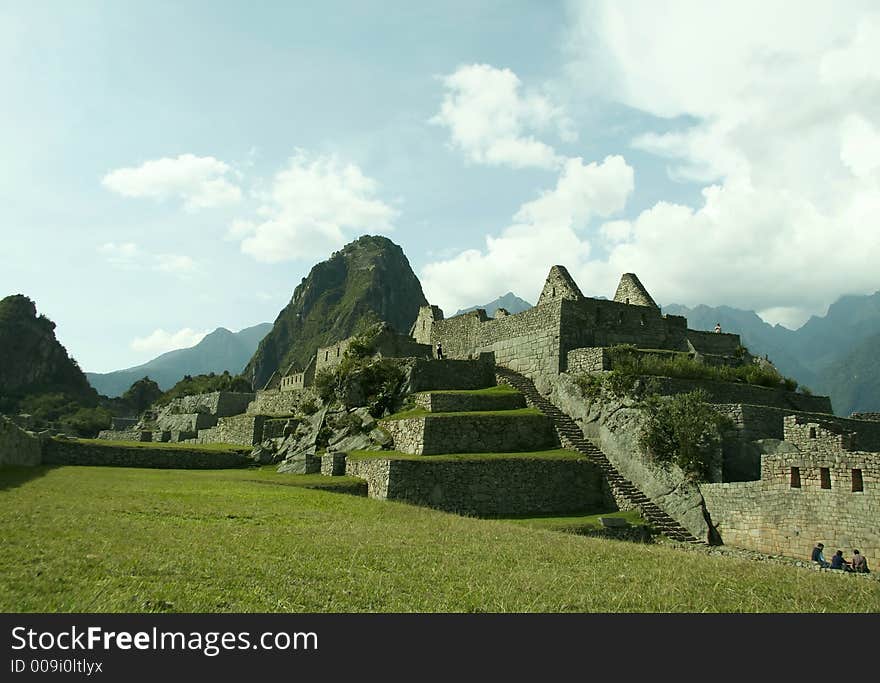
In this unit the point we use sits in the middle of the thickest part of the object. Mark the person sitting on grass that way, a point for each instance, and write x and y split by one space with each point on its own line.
837 562
818 557
859 563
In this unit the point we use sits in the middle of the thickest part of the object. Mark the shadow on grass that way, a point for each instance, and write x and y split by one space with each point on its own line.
12 476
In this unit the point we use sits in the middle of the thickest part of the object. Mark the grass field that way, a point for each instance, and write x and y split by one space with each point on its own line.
214 447
115 539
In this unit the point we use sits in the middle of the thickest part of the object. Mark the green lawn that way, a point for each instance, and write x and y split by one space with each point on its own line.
115 539
576 523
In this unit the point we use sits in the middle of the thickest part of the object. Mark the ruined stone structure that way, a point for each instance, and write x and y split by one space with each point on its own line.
539 342
821 489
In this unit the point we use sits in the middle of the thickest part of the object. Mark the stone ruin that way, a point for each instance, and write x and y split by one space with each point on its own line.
749 502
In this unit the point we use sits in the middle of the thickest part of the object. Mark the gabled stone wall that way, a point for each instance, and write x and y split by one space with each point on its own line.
17 447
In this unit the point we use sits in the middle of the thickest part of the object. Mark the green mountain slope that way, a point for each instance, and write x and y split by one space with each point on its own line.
368 280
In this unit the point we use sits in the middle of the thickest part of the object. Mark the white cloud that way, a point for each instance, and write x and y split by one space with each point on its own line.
783 129
125 255
160 341
179 264
545 232
200 182
316 204
490 120
129 256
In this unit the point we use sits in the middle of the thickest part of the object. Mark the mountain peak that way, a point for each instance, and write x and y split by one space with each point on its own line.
368 280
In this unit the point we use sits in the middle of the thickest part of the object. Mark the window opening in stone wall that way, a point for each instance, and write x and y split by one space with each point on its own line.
812 432
337 352
795 477
620 318
825 477
326 355
644 320
857 483
553 291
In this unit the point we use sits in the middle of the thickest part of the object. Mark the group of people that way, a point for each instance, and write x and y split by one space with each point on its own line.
858 563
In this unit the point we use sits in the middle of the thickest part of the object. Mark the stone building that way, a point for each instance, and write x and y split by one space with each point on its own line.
818 486
565 325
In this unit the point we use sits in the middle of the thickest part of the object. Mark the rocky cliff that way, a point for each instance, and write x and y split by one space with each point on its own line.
366 281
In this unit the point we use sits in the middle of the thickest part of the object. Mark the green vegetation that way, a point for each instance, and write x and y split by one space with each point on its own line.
141 395
629 362
421 412
554 454
358 380
685 430
204 384
89 539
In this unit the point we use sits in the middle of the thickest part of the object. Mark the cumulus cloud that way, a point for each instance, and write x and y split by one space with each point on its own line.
492 121
781 128
545 231
200 182
315 204
160 341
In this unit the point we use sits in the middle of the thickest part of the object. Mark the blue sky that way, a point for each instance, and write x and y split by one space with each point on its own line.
167 168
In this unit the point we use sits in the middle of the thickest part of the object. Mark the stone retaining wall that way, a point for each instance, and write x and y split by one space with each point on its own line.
467 433
78 453
274 402
429 375
441 402
518 486
245 430
17 447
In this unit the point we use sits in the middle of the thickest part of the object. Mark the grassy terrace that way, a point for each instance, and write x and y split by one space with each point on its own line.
116 539
491 391
421 412
214 447
555 454
87 539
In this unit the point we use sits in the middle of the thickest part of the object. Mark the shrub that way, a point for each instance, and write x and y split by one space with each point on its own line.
683 430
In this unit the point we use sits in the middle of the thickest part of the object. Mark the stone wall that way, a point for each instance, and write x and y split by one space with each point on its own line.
773 516
516 486
179 422
217 403
874 417
742 459
279 427
73 452
453 402
17 447
429 375
471 433
274 402
588 359
527 342
244 430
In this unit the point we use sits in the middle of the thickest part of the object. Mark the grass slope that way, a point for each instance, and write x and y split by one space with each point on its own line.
114 539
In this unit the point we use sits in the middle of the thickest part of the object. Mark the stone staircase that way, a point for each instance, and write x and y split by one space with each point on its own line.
625 493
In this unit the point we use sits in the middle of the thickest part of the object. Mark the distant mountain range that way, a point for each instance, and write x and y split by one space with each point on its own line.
837 354
220 350
510 301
